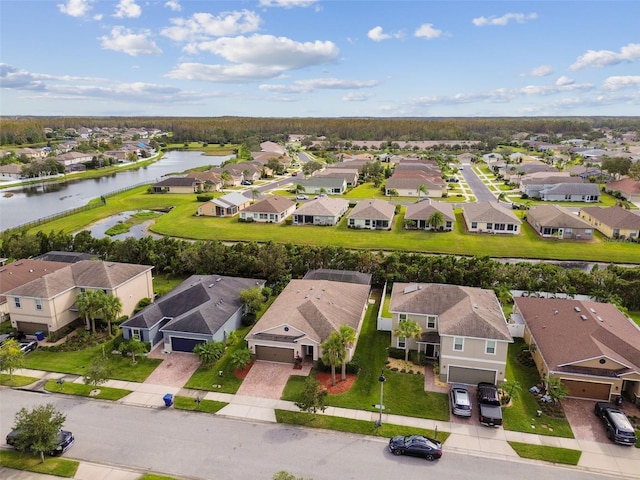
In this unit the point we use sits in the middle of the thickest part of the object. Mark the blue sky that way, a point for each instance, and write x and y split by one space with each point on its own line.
319 58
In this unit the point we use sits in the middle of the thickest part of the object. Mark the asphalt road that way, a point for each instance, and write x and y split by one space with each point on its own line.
479 189
197 445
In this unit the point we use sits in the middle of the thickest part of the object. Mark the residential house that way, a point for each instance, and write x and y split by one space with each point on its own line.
206 181
273 209
418 215
324 184
532 183
629 189
12 171
227 205
408 184
612 222
32 153
47 303
304 315
372 215
590 346
177 185
202 308
463 328
350 175
489 217
571 192
74 158
321 211
553 221
66 257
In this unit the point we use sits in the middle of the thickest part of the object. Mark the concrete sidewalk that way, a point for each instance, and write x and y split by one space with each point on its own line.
604 458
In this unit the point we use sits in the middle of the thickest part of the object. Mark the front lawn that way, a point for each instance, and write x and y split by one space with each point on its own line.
521 416
75 363
565 456
17 381
60 467
82 390
206 406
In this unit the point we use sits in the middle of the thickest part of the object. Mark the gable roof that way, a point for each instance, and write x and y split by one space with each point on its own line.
373 210
234 199
423 210
176 182
488 212
21 272
323 181
200 304
614 217
462 311
323 206
554 216
271 204
626 185
567 331
347 276
572 189
315 307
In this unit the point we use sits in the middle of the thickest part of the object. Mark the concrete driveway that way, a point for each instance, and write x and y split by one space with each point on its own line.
175 370
268 379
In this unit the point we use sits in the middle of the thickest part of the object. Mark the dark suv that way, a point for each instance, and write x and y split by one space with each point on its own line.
65 440
619 428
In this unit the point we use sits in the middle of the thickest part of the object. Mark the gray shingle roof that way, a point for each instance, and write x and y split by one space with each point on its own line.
272 204
488 212
614 217
555 216
423 210
323 206
373 210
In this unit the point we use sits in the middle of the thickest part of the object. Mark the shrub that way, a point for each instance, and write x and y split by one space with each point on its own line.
397 353
142 304
352 367
204 197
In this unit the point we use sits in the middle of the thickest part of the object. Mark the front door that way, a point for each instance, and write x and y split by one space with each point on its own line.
431 350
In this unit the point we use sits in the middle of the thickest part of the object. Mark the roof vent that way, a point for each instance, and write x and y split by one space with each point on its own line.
555 312
583 317
211 285
593 310
306 296
218 279
600 318
410 288
577 309
319 297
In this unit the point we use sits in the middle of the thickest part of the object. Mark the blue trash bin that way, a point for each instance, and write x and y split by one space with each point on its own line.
39 335
168 400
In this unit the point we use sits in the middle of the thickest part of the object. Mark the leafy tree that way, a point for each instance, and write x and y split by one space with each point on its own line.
11 357
347 338
393 192
634 171
111 308
133 348
557 390
282 475
333 353
209 352
98 371
617 166
240 358
510 390
407 329
436 220
313 396
253 300
38 429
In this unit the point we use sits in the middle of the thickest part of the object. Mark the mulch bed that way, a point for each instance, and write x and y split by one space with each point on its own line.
241 374
340 386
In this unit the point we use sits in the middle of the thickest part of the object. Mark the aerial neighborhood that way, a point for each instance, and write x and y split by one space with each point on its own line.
494 285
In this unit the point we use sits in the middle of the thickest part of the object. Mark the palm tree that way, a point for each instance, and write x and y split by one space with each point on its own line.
435 220
407 329
347 337
422 189
89 306
333 352
111 308
225 176
299 188
255 193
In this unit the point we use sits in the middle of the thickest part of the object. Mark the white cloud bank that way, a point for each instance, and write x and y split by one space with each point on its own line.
122 39
504 20
604 58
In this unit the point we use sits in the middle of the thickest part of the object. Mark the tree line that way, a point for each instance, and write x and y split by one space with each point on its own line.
278 263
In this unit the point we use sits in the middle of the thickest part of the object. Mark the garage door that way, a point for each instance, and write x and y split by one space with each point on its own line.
184 344
274 354
596 391
30 328
471 376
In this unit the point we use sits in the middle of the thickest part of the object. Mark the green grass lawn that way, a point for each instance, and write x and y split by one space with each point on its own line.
188 403
522 416
164 283
60 467
361 427
75 363
82 390
155 476
16 381
635 316
565 456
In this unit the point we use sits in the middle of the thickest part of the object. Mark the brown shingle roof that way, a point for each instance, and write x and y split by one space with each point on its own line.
323 206
555 216
373 209
273 204
488 212
22 272
424 210
614 217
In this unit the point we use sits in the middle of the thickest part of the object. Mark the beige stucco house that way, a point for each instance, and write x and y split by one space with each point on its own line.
372 215
273 209
48 303
463 328
612 222
489 217
590 346
227 205
553 221
321 211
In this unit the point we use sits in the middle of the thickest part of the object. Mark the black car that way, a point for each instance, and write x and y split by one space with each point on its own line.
65 440
619 428
28 346
19 336
416 446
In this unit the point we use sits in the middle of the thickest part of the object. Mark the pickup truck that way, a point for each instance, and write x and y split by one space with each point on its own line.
489 405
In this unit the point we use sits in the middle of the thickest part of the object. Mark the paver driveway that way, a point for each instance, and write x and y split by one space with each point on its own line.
268 379
175 370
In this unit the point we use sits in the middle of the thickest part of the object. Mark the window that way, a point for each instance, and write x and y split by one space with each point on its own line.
512 228
431 321
458 344
135 334
16 301
367 223
352 222
402 317
402 342
489 226
490 347
500 226
38 304
474 225
83 290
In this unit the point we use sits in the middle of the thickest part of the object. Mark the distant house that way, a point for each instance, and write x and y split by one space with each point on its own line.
532 184
324 184
612 222
487 217
421 212
571 192
225 206
202 308
350 175
407 184
372 215
273 209
74 158
552 221
322 211
11 171
464 328
629 189
176 185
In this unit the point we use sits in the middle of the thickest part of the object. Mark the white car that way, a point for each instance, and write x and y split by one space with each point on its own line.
302 197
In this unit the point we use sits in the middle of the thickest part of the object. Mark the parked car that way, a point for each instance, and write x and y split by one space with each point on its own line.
28 346
489 405
65 440
460 401
618 426
19 336
246 182
294 174
416 446
453 180
302 197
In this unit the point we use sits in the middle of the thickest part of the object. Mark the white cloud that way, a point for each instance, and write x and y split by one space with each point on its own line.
310 85
563 81
124 40
173 5
541 71
621 82
504 19
205 25
603 58
357 97
427 31
75 8
127 9
244 73
378 35
287 3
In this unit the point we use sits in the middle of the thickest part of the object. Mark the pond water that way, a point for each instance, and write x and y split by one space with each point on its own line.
98 229
30 203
